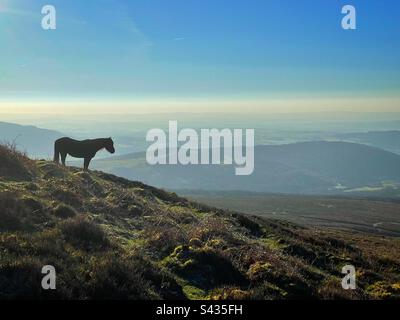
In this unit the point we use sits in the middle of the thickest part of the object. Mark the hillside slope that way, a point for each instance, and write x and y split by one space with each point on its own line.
110 238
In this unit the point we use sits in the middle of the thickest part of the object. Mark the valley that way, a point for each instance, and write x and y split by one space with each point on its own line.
369 215
307 168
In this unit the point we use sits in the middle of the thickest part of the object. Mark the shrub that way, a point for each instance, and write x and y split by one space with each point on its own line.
246 222
14 164
164 240
32 204
204 267
11 212
9 222
267 291
331 289
21 279
64 211
35 212
81 232
383 290
66 196
116 278
194 242
212 228
229 293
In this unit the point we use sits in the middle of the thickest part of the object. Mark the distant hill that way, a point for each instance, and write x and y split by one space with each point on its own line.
35 141
388 140
110 238
304 168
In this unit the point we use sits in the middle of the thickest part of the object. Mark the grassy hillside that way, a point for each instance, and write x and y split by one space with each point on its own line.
111 238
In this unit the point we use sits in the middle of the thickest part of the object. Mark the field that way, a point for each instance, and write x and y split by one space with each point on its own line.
372 215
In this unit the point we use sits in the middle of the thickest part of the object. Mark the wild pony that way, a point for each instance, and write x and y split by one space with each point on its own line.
85 149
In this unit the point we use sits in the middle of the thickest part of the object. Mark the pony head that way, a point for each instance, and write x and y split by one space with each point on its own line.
109 145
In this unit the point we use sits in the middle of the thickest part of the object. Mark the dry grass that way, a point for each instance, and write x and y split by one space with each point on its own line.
113 238
14 163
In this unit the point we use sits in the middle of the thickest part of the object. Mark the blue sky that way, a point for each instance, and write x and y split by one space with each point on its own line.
207 49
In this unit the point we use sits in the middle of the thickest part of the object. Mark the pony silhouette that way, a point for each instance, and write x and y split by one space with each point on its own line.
85 149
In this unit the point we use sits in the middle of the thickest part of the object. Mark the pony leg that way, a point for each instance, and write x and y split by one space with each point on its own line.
86 164
63 157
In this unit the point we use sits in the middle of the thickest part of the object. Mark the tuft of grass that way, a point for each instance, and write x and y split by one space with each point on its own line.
13 213
230 293
331 289
193 293
382 290
118 278
83 233
204 268
164 240
21 279
68 197
64 211
15 165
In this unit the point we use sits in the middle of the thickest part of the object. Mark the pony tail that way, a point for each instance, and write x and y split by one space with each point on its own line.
56 153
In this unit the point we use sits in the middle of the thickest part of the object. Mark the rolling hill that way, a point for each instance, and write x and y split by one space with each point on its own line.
35 141
300 168
111 238
387 140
